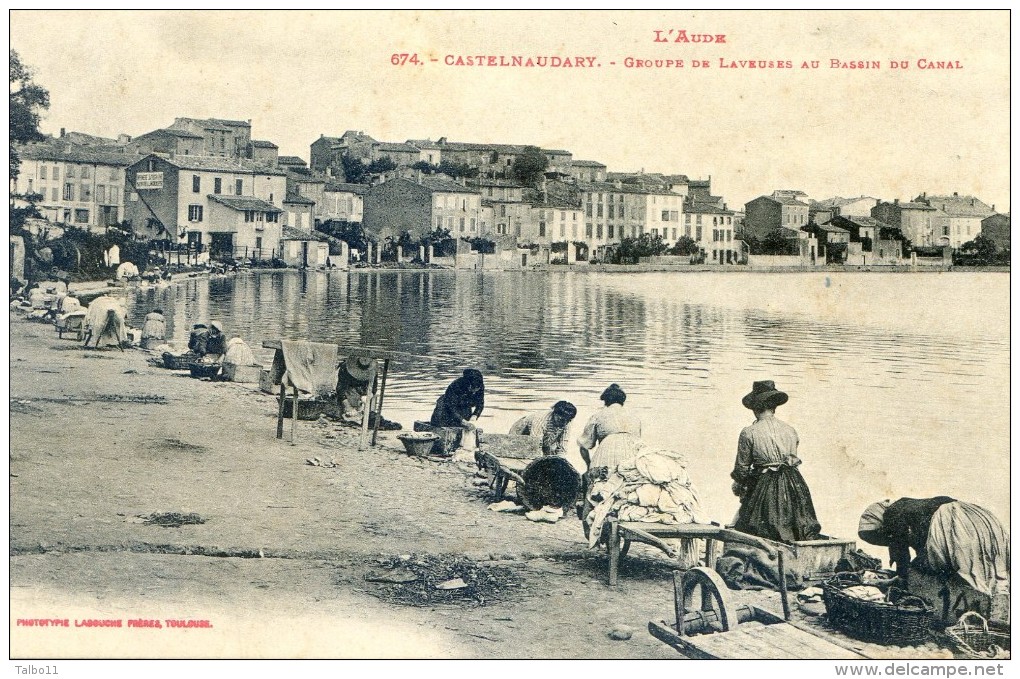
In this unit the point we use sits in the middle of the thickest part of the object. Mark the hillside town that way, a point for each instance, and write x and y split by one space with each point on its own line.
210 190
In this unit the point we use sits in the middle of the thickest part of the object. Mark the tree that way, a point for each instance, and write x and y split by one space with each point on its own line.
381 165
645 245
28 100
528 167
981 251
354 170
684 246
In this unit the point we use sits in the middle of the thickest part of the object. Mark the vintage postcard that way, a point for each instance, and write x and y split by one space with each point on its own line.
510 335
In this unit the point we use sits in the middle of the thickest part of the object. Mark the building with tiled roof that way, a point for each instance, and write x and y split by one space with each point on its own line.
963 215
77 185
587 170
288 162
207 202
782 209
419 207
228 138
919 223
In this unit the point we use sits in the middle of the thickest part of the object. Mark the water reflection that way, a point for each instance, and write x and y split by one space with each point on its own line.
889 397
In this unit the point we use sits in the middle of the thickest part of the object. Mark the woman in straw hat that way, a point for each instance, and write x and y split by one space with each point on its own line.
353 383
949 538
775 502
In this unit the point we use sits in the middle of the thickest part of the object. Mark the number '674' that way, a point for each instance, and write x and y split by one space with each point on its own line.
404 58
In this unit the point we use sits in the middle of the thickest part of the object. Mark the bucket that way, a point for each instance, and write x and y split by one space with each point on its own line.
419 443
549 481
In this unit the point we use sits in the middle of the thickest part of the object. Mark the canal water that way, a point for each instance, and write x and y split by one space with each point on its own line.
898 383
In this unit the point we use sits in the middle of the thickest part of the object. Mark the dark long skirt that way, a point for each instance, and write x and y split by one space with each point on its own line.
779 507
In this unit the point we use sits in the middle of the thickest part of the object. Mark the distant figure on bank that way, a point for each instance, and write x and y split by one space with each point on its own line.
549 426
216 342
198 339
948 537
154 327
354 379
612 435
464 399
775 502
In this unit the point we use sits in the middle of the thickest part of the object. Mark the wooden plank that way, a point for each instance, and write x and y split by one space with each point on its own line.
812 646
846 644
668 530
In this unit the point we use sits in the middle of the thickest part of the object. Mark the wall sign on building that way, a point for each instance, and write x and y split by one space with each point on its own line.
149 180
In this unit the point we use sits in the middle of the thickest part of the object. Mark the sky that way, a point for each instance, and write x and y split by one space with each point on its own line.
887 133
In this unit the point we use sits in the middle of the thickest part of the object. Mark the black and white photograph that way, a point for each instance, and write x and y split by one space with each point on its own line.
510 335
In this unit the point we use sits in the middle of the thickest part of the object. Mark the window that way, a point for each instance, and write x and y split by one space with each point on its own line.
85 172
472 224
574 231
563 229
674 234
30 185
665 215
69 191
449 223
729 236
67 216
715 255
239 187
588 209
729 220
697 220
612 211
196 184
195 213
101 193
715 221
56 172
598 232
69 172
258 242
502 210
587 230
81 216
462 225
273 217
687 219
697 235
610 230
687 228
621 211
114 194
541 229
463 204
86 192
439 222
56 193
42 172
114 173
598 211
217 185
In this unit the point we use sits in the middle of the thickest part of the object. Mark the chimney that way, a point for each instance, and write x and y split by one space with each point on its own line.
896 201
62 132
417 176
955 194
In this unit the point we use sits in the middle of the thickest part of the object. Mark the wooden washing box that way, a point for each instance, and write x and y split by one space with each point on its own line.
812 559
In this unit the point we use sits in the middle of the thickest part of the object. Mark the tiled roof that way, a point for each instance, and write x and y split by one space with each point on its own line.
424 144
341 187
958 206
290 160
218 164
231 123
291 233
829 228
608 187
586 163
782 200
908 205
244 203
56 152
396 148
445 186
298 199
183 134
705 208
498 148
263 144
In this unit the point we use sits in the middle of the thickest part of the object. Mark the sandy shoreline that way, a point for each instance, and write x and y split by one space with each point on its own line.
101 438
